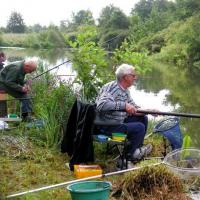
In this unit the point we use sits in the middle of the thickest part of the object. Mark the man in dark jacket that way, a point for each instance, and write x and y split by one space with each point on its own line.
12 81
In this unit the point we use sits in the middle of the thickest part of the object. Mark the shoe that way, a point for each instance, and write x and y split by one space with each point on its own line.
130 165
142 152
27 119
119 166
147 149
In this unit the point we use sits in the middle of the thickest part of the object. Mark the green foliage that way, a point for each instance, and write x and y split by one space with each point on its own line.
158 17
113 39
187 8
52 102
16 23
182 43
50 38
153 43
89 62
112 18
45 39
126 54
83 17
14 39
173 53
187 141
113 23
144 7
36 28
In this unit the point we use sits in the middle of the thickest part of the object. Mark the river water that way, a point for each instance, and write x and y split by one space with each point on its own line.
166 88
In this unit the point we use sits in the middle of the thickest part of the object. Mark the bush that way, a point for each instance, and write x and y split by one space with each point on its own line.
174 53
152 43
113 39
52 102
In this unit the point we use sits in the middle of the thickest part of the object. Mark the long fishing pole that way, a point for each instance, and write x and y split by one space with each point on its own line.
169 113
78 180
70 60
50 69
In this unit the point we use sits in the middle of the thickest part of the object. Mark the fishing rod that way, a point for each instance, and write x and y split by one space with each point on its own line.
168 113
70 60
50 69
78 180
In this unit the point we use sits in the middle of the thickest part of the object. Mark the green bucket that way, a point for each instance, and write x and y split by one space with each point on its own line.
90 190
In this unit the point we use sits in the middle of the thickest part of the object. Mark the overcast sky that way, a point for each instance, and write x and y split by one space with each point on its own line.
53 11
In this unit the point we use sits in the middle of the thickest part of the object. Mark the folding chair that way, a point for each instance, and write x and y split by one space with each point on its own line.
9 106
105 137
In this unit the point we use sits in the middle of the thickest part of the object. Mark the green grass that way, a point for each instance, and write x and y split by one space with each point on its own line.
13 39
27 164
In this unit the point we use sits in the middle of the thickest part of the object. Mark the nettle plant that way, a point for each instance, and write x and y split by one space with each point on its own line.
90 63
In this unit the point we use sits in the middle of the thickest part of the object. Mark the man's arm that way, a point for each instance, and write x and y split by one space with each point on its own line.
10 80
106 102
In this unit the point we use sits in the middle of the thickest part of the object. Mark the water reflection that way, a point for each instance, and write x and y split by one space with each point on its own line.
151 100
183 94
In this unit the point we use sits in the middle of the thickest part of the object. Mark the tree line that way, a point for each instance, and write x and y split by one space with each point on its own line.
153 26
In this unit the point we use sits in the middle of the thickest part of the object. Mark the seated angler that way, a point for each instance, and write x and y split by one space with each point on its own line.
115 104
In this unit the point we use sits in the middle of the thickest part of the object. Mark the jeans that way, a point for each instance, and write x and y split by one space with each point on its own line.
135 127
26 105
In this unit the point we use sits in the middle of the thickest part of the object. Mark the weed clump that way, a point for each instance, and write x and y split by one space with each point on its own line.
150 183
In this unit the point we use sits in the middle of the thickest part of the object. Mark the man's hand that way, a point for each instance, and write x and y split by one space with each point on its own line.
130 108
26 88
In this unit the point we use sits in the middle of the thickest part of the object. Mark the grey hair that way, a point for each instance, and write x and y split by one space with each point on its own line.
122 70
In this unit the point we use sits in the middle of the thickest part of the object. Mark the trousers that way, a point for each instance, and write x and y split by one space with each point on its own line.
135 127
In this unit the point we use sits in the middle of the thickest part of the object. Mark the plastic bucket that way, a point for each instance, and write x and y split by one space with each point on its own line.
90 190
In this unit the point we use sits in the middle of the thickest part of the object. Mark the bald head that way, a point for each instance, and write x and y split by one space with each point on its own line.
30 66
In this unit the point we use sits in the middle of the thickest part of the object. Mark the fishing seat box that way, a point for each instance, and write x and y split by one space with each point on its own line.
82 171
3 104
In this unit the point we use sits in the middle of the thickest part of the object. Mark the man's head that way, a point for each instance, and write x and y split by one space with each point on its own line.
30 66
2 57
125 75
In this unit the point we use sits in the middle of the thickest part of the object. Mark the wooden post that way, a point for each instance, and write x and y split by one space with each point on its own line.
3 104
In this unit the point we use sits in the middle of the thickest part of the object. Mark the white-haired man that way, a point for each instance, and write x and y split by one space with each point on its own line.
114 103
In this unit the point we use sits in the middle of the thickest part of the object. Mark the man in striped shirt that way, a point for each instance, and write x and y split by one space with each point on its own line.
114 104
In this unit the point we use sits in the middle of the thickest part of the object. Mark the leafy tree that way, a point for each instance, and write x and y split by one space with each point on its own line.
113 27
150 17
89 60
143 8
126 54
37 28
187 8
16 23
113 18
83 17
63 25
